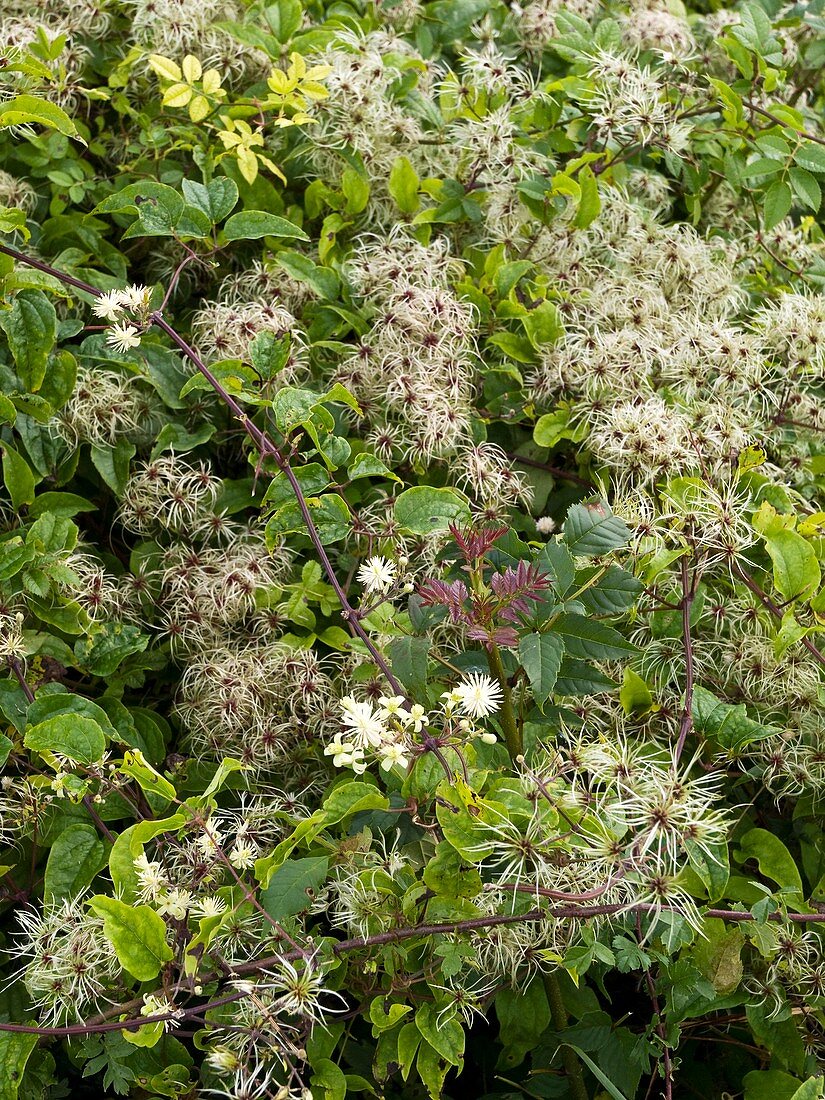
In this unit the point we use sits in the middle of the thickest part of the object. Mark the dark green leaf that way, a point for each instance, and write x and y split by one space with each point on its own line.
251 224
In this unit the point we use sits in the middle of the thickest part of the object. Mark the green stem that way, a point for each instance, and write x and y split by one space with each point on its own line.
572 1066
507 716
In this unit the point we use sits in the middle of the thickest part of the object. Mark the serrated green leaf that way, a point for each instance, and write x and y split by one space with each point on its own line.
591 530
806 188
590 639
541 656
776 203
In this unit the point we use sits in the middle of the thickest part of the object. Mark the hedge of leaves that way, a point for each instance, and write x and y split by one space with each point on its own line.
411 537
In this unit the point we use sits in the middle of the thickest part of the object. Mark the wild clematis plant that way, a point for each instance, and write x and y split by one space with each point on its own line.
411 550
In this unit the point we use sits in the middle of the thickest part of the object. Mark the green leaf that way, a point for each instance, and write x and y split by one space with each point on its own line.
523 1016
112 463
59 382
312 478
69 705
356 191
215 199
227 767
445 1035
408 657
774 859
590 203
72 735
810 1090
329 513
447 874
107 645
711 864
192 222
159 208
543 324
369 465
551 428
292 406
294 886
15 1050
18 478
424 509
579 678
250 224
796 571
324 282
283 18
541 656
348 798
351 797
806 188
28 108
634 695
383 1016
13 221
773 1084
137 934
31 330
74 859
129 845
403 185
269 354
615 592
173 436
328 1080
431 1067
597 1073
726 723
60 504
777 203
811 155
591 530
590 639
718 955
137 767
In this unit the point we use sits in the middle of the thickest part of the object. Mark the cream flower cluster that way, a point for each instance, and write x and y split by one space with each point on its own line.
387 730
123 308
